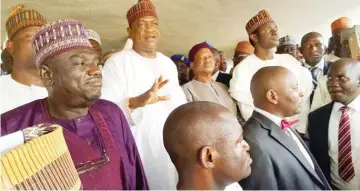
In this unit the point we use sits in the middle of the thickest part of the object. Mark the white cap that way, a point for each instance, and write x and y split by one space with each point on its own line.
92 35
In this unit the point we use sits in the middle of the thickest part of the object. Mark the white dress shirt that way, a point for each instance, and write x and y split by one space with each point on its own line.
319 65
243 73
277 120
14 94
354 115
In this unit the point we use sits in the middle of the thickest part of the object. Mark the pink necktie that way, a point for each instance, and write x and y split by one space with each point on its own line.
346 168
287 124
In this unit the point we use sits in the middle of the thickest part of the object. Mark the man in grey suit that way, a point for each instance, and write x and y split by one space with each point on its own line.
281 160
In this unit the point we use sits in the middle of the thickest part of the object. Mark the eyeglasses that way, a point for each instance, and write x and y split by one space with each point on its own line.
92 164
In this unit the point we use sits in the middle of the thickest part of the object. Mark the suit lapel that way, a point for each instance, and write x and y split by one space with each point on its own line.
287 142
316 165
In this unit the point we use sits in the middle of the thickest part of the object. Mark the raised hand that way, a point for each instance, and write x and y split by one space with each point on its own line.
150 96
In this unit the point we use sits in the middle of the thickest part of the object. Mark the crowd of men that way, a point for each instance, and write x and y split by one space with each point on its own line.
284 118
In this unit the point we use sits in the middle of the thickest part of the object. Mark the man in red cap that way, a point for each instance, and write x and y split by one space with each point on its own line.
263 35
144 84
336 28
203 87
242 50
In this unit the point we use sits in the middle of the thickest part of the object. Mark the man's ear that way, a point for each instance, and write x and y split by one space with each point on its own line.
10 46
253 37
192 66
129 31
46 74
301 49
207 157
272 96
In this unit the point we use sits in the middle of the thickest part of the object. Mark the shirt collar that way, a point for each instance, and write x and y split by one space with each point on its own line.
277 120
319 65
214 76
355 104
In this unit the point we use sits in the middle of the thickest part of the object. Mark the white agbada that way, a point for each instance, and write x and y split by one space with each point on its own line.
243 73
127 74
13 94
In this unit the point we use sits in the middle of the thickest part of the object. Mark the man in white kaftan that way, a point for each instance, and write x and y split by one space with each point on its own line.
262 31
136 80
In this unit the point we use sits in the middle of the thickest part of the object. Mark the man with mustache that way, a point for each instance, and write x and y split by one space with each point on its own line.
144 84
96 131
334 128
313 50
281 160
263 34
23 85
209 154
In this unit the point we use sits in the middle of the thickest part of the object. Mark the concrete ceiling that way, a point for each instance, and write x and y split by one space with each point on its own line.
186 22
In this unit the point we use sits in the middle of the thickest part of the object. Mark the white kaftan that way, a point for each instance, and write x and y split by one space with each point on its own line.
127 74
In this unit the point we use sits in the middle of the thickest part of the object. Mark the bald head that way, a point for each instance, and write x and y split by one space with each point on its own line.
204 141
194 125
275 90
267 78
344 80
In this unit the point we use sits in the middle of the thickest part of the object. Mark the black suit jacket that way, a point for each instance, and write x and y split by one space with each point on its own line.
318 133
224 78
278 163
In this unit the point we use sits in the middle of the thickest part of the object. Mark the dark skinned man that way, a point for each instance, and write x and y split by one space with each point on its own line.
263 34
313 50
181 63
242 50
24 84
7 60
336 28
281 160
209 154
96 131
144 83
333 128
321 95
218 75
287 46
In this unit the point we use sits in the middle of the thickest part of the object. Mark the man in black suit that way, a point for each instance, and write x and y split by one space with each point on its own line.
218 75
334 128
281 161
